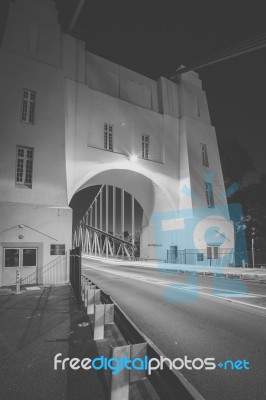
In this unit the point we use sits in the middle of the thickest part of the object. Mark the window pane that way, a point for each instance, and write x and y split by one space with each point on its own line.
204 155
29 258
216 252
209 195
209 252
28 106
11 257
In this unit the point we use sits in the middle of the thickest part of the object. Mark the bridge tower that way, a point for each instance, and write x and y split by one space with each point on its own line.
71 119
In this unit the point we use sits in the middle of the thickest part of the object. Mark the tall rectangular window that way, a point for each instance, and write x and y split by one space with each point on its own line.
209 195
108 137
204 155
145 146
28 106
24 166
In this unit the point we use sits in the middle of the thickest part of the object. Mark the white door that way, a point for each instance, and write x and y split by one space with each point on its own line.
22 258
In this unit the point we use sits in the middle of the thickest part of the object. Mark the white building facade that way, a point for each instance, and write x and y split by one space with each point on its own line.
70 119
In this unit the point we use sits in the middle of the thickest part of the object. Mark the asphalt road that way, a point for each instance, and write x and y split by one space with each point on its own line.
196 317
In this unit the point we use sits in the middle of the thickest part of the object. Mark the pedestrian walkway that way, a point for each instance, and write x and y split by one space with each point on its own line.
37 324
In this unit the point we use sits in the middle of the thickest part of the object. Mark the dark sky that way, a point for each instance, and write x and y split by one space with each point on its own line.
154 38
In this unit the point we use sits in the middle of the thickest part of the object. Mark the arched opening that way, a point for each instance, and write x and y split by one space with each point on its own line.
107 216
151 193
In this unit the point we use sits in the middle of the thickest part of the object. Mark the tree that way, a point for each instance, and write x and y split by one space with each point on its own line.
254 204
236 163
235 160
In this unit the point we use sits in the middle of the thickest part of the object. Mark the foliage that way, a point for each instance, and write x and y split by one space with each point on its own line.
235 160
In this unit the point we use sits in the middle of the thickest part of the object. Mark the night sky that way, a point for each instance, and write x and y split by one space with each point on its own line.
154 38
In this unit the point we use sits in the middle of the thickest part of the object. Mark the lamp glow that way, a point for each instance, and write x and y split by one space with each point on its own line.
133 158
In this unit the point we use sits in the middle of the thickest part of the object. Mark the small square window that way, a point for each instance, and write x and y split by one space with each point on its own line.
200 257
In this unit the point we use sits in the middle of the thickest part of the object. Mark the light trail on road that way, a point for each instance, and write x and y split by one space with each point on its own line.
208 325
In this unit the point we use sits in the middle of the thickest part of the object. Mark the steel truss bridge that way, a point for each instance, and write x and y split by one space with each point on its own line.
93 239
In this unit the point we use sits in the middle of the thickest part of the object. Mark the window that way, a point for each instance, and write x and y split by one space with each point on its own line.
145 146
204 155
200 257
20 257
209 195
24 166
108 137
197 106
11 258
212 252
28 106
29 257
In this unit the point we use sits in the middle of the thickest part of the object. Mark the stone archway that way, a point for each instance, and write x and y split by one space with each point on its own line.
151 197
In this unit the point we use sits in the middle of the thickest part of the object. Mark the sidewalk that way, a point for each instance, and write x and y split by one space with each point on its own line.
36 325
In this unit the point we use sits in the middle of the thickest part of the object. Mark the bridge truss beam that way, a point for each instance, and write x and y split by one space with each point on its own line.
89 233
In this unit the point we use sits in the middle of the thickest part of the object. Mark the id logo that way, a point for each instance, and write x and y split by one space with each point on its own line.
209 240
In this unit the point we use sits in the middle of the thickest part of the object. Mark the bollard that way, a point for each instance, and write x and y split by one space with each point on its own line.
109 314
92 297
120 382
86 288
98 322
104 315
17 281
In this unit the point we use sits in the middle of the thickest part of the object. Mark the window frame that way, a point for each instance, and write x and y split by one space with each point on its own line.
27 108
108 142
209 195
212 252
21 257
204 155
26 167
145 146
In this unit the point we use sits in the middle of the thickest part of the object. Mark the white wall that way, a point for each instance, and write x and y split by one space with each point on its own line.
53 226
46 135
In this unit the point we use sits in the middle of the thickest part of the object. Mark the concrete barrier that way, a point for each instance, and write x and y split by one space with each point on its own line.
93 297
103 315
120 382
169 384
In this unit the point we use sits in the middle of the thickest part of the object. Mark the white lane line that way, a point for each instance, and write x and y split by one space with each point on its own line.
180 285
175 285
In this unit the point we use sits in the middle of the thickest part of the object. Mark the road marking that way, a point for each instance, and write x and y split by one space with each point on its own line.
185 287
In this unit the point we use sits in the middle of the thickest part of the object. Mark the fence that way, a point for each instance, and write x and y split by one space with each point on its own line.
55 272
216 257
212 256
75 272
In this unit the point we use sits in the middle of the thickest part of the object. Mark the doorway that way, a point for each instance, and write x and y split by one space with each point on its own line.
23 258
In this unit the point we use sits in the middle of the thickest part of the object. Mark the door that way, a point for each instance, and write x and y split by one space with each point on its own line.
22 258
